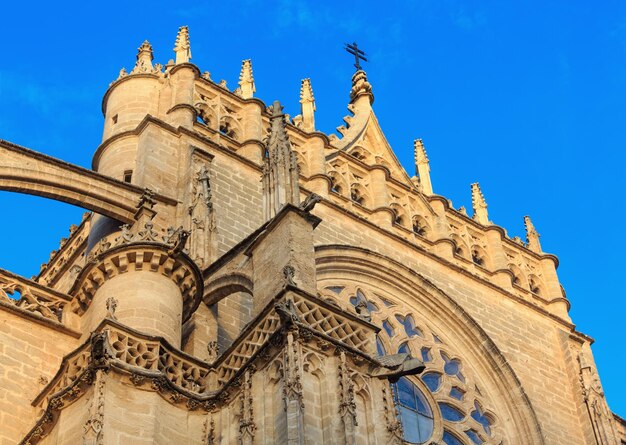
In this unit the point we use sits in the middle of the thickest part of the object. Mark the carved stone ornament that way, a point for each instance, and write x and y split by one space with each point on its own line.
214 350
292 388
289 272
208 431
93 428
111 304
247 427
29 300
347 405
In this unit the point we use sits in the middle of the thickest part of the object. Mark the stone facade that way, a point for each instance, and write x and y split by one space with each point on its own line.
241 278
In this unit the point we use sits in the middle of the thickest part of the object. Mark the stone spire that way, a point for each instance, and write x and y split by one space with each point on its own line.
361 87
280 168
422 167
246 80
532 237
307 106
182 48
479 205
144 59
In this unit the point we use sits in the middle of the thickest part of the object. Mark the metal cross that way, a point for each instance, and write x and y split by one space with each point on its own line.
359 55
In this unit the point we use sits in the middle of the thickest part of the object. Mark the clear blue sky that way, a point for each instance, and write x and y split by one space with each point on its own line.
528 98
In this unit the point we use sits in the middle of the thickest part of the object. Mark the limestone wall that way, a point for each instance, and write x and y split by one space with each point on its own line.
30 355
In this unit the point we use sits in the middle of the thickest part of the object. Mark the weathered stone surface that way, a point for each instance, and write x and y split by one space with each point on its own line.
200 303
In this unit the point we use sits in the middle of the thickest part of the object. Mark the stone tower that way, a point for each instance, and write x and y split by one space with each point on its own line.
242 278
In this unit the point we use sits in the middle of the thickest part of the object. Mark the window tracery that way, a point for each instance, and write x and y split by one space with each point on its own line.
459 405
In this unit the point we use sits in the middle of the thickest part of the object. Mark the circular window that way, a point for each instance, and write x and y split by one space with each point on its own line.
415 413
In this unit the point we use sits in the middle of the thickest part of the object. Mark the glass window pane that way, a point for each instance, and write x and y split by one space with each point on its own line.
426 426
426 355
380 349
474 437
388 328
404 349
449 439
410 425
415 414
406 395
422 404
456 393
432 380
448 412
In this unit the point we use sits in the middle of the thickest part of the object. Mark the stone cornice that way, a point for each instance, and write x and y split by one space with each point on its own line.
137 256
121 80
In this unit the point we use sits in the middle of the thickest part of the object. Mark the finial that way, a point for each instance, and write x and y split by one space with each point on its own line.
144 59
479 205
280 169
306 120
182 48
361 87
422 167
246 80
532 237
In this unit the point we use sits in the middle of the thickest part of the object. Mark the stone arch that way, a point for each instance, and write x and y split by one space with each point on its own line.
460 247
420 227
337 183
517 277
535 285
399 215
230 299
359 195
339 264
480 257
26 171
218 288
360 153
230 127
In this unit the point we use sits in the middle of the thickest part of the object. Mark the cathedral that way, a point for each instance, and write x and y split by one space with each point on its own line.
240 277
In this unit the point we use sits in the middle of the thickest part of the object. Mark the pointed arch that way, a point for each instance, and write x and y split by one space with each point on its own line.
338 264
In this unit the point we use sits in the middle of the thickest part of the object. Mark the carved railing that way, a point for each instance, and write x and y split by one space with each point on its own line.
334 323
28 296
249 344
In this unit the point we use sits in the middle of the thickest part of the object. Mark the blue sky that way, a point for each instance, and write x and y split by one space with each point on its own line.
527 98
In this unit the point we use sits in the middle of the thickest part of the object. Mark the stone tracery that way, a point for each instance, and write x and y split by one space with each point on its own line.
452 384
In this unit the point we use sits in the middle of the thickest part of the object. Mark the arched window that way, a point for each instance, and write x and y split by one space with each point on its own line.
226 128
534 283
420 227
479 256
444 403
334 183
414 411
356 195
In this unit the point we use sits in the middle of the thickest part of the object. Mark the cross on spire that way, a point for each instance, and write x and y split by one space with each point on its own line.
359 55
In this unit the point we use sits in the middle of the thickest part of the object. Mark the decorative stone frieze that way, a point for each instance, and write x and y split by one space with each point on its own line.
145 250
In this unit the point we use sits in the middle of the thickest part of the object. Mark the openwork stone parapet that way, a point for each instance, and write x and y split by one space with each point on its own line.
141 256
30 297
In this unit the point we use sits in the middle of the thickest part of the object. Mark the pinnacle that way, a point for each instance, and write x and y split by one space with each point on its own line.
246 80
306 91
182 48
420 152
479 205
532 236
144 49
